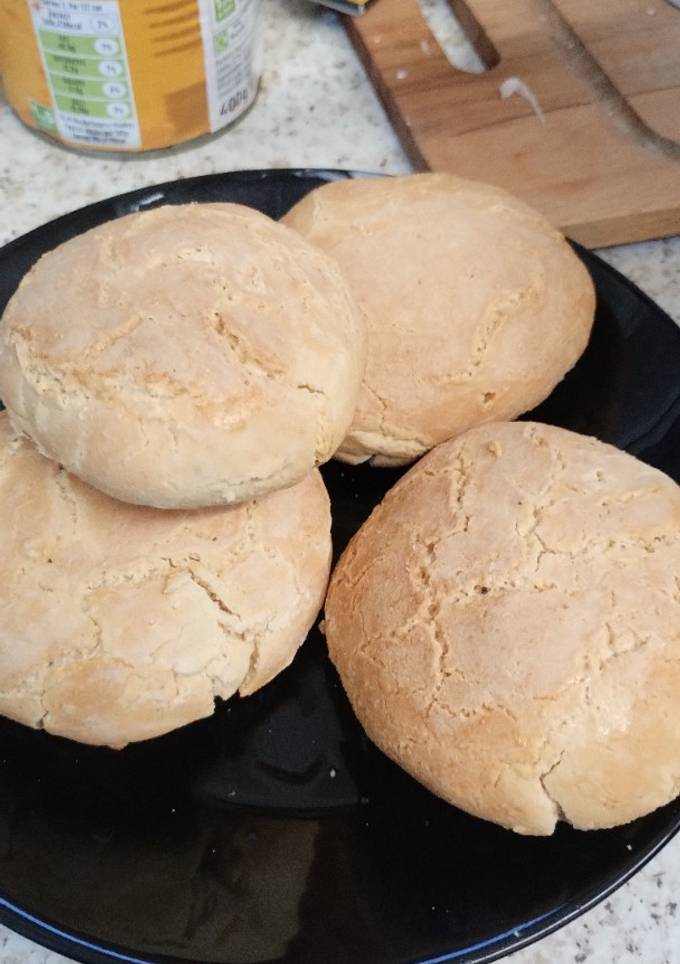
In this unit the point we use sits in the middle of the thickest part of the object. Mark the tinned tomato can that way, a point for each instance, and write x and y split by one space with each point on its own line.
129 75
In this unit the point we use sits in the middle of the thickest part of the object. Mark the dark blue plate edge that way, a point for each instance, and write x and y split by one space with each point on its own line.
153 195
86 950
554 921
636 443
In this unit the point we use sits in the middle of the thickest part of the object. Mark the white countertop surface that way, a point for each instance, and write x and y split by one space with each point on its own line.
317 109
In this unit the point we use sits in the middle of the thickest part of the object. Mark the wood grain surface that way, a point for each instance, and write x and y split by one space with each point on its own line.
600 157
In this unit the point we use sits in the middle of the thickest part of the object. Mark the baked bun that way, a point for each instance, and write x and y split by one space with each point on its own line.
184 357
121 622
476 307
506 625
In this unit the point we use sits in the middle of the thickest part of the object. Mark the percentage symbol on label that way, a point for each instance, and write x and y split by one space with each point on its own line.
117 110
110 68
114 89
106 46
102 25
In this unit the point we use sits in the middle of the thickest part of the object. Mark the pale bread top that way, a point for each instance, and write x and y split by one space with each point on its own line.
507 627
185 356
476 307
121 622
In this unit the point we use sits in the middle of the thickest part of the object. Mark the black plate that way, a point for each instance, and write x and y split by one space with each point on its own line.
274 831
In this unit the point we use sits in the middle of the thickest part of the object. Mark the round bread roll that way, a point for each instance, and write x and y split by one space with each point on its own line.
121 622
476 307
184 357
507 627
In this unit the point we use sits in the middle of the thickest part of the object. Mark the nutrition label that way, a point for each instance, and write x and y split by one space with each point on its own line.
82 46
229 30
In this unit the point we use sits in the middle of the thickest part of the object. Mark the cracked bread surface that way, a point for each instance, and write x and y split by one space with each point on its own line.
476 307
190 355
507 627
121 622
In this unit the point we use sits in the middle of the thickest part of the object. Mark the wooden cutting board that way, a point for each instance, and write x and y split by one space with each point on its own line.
601 158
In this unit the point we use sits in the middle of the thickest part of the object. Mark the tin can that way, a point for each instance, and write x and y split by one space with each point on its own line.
129 75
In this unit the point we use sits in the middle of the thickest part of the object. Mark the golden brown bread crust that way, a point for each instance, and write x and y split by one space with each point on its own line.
121 622
476 307
507 627
182 357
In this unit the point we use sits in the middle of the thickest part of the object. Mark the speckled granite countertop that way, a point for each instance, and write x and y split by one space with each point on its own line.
317 109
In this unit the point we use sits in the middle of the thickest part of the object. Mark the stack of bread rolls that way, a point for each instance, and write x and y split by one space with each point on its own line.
172 380
504 622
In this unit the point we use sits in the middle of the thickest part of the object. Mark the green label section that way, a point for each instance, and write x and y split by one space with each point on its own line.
112 110
81 87
43 117
108 47
224 8
80 67
221 41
